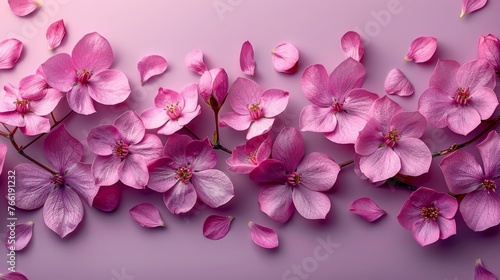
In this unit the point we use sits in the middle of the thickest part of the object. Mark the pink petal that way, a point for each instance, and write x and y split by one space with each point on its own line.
130 126
274 102
150 66
47 104
285 58
23 234
13 276
35 125
269 171
107 198
102 139
397 83
415 156
220 85
235 121
367 209
481 273
317 119
425 232
34 186
421 49
409 214
485 102
469 6
14 119
93 53
180 199
348 75
489 49
3 154
475 75
434 104
352 45
33 87
311 204
243 92
194 62
489 149
462 172
289 148
314 82
150 148
61 149
463 119
213 187
318 172
105 170
190 96
276 201
246 157
133 171
247 61
60 72
79 100
481 209
444 75
10 51
386 157
259 127
383 109
23 7
55 34
263 236
216 227
154 117
63 211
109 87
175 148
201 155
147 215
409 124
162 175
447 227
170 127
369 138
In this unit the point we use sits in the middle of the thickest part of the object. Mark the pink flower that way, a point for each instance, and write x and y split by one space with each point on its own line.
459 97
172 110
429 215
352 46
55 34
23 7
469 6
61 193
294 181
389 143
480 207
421 49
248 156
10 52
123 151
213 87
185 173
340 106
489 49
254 109
85 75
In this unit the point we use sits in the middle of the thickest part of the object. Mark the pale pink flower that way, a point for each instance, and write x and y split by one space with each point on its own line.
247 61
397 83
246 157
216 227
469 6
263 236
367 209
489 49
429 215
151 65
352 46
421 49
123 151
481 273
10 52
147 215
459 97
285 58
55 34
23 7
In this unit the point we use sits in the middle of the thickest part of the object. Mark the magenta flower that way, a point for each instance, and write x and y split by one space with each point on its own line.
294 181
123 151
489 49
185 173
254 109
480 207
340 106
429 215
389 143
246 157
459 97
85 75
172 110
60 194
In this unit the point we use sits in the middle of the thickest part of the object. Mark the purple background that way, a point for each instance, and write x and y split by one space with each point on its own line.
107 244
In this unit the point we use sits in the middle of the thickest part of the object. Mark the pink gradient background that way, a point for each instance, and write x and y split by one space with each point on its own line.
106 243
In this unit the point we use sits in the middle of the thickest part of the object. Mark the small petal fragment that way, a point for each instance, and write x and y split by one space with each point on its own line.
150 66
107 198
481 273
352 45
469 6
397 83
10 51
13 276
147 215
285 58
55 34
216 227
263 236
23 234
194 62
421 49
23 7
489 49
247 61
367 209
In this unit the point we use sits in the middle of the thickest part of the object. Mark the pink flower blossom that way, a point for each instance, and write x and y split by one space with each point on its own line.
186 172
340 106
352 46
389 143
213 87
294 181
480 207
55 34
489 49
481 273
61 193
123 151
172 110
429 215
85 75
421 49
459 97
246 157
469 6
23 7
10 52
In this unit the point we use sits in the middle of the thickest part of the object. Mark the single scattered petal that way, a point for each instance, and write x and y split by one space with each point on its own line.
194 62
352 45
481 273
469 6
367 209
23 7
247 61
10 51
107 198
23 234
285 58
13 276
55 34
3 155
263 236
147 215
422 49
216 227
150 66
397 83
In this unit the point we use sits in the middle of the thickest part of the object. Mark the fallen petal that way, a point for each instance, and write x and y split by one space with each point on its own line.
397 83
352 45
263 236
13 276
151 66
10 51
216 227
55 34
422 49
3 154
481 273
107 198
147 215
285 58
194 62
23 234
367 209
469 6
23 7
247 61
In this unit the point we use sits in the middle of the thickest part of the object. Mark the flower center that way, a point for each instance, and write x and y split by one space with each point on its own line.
294 179
488 185
392 137
23 106
252 158
255 111
174 111
121 149
430 213
463 96
84 76
58 180
337 106
184 174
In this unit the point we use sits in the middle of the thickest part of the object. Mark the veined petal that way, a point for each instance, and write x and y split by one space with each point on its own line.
369 138
162 175
263 236
79 100
269 171
310 204
133 171
247 61
421 49
367 209
463 119
107 198
274 102
447 227
201 155
476 74
276 201
131 127
243 93
213 187
79 178
13 118
63 211
92 53
23 7
154 117
409 124
194 62
10 52
397 83
109 87
425 232
481 209
259 127
147 215
102 139
314 82
236 121
60 72
317 119
386 157
33 87
318 172
289 148
150 66
409 214
489 149
175 148
23 234
61 149
469 6
189 95
180 199
105 170
444 75
435 105
55 34
485 101
35 125
348 75
481 273
414 155
489 49
285 58
216 227
383 109
171 127
462 172
150 148
35 184
47 104
352 46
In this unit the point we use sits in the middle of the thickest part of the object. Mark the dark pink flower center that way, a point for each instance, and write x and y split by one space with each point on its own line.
337 106
23 106
252 158
121 149
463 96
58 180
174 111
489 185
255 111
184 174
84 76
430 213
392 137
294 179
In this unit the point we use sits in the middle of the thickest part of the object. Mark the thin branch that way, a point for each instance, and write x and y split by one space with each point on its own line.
347 163
190 132
52 127
400 184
